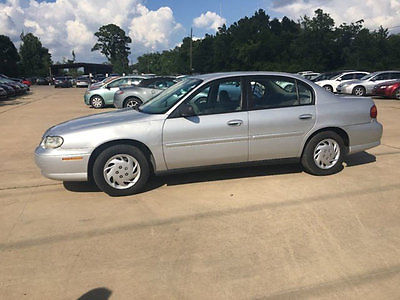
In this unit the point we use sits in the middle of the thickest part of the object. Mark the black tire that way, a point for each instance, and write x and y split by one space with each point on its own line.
359 91
97 102
397 94
307 159
102 159
328 88
132 102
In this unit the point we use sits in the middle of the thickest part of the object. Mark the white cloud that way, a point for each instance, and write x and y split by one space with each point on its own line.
375 13
66 25
153 29
209 20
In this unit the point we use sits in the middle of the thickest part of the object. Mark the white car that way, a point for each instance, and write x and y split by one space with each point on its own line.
331 84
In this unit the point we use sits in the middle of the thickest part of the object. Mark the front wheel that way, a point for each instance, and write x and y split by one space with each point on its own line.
324 154
121 170
359 91
328 88
132 102
97 102
397 94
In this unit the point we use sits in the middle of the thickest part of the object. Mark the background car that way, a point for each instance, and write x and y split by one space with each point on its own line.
42 81
242 117
331 84
104 95
18 87
9 89
136 95
365 85
389 89
3 93
83 81
63 82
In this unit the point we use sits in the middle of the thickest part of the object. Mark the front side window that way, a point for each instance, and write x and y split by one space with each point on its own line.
161 103
217 98
115 83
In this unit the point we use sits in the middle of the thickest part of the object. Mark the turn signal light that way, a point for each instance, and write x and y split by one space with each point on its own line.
373 112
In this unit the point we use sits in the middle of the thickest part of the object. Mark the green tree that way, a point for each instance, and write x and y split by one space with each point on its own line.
8 56
35 59
113 43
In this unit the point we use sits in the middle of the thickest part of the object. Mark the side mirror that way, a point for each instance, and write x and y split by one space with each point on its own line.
186 110
339 79
107 87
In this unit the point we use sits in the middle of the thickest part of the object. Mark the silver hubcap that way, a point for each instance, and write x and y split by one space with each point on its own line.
326 154
121 171
97 102
133 104
359 91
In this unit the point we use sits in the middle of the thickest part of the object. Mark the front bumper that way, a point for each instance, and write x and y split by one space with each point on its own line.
63 164
86 98
344 90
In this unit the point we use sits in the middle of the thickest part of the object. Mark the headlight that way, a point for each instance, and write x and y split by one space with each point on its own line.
52 142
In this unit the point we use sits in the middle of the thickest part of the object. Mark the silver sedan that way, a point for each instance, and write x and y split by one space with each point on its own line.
366 84
207 120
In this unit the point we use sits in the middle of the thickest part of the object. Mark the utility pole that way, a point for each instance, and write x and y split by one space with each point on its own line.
191 51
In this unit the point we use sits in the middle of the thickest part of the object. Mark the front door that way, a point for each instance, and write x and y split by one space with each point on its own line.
216 133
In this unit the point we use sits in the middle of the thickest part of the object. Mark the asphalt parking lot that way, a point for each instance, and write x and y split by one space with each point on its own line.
257 232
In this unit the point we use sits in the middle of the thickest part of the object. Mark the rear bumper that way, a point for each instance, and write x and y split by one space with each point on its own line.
65 165
364 136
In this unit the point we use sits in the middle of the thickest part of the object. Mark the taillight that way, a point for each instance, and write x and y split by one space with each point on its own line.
373 112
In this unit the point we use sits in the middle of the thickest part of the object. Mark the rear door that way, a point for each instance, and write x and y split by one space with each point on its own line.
281 113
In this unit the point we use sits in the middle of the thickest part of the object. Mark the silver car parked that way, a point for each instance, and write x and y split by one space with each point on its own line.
145 90
366 84
211 119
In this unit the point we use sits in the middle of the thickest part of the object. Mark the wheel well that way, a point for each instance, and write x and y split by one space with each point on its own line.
131 97
146 151
95 95
343 134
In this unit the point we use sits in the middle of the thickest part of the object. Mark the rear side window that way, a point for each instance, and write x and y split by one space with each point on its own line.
275 92
347 77
395 75
359 75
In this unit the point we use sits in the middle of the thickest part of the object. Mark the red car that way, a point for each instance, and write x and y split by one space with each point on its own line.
388 90
26 81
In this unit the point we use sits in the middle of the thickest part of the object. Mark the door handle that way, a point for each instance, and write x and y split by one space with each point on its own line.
305 116
235 123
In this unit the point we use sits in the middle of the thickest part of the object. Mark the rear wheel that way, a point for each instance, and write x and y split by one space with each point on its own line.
132 102
397 94
121 170
324 154
359 91
328 88
97 102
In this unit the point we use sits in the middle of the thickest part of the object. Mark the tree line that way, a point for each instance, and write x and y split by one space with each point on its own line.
252 43
261 43
31 59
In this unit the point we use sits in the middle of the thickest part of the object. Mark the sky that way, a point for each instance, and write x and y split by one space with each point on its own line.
157 25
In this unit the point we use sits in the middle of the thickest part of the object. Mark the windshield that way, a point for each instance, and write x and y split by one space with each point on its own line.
164 101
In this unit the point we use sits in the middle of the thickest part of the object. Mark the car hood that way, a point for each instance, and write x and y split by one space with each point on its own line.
101 120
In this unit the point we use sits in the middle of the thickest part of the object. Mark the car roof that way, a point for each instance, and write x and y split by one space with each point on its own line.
212 76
